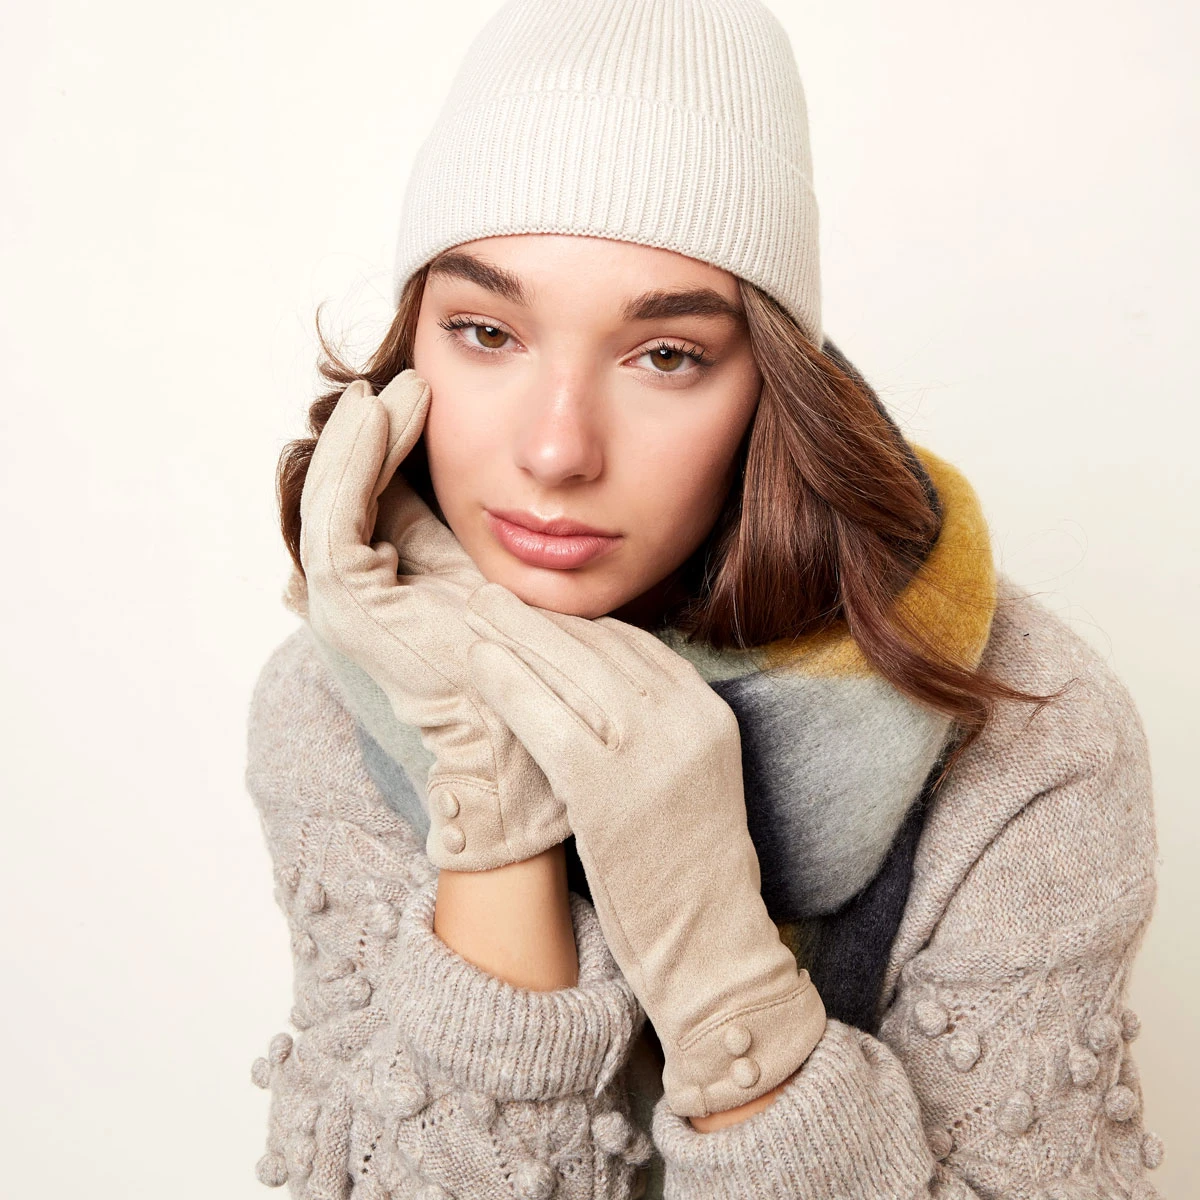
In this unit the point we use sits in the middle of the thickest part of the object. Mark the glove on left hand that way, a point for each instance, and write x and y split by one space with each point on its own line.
647 758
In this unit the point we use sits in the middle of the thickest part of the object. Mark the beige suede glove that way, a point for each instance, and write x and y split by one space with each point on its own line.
490 804
647 758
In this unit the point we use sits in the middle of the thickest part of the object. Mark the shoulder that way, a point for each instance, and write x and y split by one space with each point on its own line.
1048 815
299 727
1094 720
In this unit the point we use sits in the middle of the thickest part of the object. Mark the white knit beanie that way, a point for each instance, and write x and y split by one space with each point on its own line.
672 123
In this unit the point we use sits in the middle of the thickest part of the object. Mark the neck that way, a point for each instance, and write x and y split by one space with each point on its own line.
648 610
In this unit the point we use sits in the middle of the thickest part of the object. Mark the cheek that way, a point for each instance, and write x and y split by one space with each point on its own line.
682 478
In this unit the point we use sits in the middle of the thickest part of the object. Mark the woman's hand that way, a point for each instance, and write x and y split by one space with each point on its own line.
490 804
647 758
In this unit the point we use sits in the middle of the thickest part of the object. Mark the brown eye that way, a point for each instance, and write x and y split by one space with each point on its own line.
488 339
669 358
485 332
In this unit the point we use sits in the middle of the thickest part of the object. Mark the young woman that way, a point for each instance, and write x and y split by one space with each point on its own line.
666 794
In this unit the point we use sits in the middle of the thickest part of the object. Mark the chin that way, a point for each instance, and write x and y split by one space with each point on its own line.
570 596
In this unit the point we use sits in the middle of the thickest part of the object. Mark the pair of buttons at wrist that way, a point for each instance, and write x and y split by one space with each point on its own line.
743 1071
453 837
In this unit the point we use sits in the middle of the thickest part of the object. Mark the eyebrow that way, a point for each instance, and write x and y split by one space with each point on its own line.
653 305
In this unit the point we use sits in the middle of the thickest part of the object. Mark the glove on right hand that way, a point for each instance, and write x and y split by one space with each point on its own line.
489 803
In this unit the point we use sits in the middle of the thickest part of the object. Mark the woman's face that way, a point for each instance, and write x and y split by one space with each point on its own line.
563 387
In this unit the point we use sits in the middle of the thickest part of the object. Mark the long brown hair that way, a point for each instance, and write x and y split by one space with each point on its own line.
829 516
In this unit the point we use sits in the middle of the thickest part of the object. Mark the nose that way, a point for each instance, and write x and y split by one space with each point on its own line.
560 438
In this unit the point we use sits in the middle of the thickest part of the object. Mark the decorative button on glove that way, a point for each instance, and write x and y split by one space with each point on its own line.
647 758
490 804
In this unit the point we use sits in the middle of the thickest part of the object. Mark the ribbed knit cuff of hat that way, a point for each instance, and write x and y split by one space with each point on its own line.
679 124
801 1145
512 1043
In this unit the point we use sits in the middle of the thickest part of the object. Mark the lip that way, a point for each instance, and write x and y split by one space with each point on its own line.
559 525
539 548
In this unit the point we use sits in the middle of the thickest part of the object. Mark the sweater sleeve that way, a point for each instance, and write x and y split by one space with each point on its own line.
1002 1066
411 1071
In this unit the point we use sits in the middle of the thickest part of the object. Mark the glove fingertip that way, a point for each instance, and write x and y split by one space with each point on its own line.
497 673
406 394
488 602
359 387
484 657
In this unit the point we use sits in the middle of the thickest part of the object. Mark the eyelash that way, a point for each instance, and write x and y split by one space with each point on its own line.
451 324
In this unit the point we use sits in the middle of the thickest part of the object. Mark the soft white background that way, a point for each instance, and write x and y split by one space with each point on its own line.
1008 198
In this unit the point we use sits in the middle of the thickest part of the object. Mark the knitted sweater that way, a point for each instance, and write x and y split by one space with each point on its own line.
1000 1065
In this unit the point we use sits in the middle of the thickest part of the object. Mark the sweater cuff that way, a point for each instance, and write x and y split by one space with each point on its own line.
509 1042
847 1124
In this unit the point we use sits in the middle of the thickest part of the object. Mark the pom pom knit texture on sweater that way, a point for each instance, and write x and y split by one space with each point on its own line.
1002 1065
